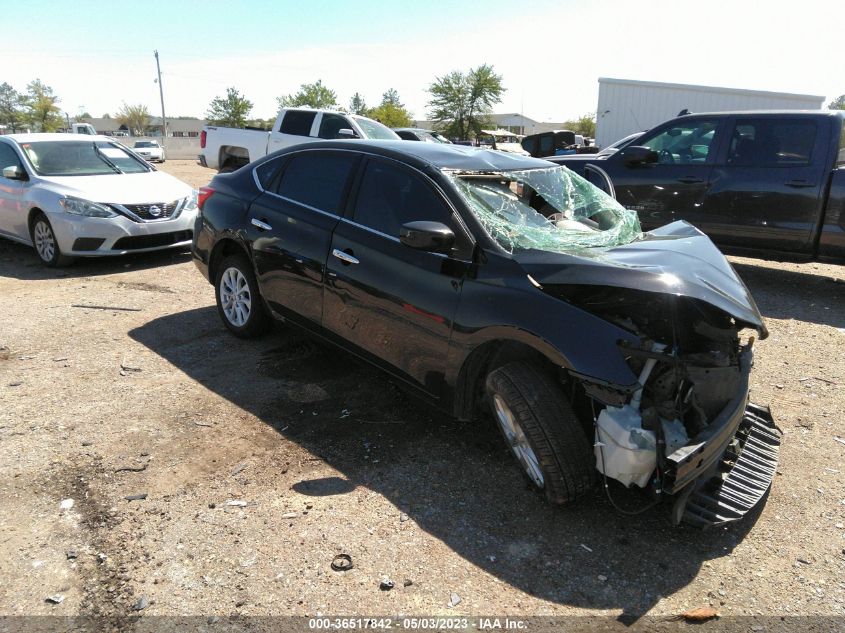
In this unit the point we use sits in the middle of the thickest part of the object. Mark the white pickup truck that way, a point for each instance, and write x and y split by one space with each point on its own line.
227 149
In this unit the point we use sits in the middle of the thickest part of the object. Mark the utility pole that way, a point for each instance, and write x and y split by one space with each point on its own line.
161 93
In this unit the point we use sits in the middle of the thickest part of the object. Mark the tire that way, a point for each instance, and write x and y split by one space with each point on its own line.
239 301
45 243
542 431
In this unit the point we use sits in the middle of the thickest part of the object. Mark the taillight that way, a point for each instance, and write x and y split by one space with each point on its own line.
202 139
204 194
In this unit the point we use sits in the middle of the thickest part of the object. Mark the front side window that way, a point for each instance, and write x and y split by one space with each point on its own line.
683 144
390 196
81 158
550 209
297 122
772 142
332 124
317 179
8 157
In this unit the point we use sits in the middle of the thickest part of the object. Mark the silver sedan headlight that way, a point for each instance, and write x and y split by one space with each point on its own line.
78 206
191 201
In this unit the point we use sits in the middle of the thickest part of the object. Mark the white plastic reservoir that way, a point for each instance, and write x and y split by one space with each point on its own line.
624 450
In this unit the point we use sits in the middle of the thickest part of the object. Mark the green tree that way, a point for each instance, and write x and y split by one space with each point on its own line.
390 112
837 104
461 103
314 95
135 117
584 125
11 108
42 112
231 110
85 115
357 105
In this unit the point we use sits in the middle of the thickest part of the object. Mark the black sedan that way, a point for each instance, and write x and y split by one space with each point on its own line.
494 284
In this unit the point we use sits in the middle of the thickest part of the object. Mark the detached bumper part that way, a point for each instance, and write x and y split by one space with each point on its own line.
745 478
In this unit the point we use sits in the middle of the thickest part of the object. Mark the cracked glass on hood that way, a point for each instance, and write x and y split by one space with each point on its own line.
549 209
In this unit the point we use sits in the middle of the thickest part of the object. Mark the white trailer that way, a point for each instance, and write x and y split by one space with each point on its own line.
626 106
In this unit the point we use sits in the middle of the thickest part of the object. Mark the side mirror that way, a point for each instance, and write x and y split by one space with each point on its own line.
14 172
346 133
427 236
634 155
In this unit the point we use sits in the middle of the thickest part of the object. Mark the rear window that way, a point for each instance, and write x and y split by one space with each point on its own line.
317 179
297 122
770 142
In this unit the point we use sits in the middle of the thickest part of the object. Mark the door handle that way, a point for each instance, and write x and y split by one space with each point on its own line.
262 226
691 180
346 258
797 184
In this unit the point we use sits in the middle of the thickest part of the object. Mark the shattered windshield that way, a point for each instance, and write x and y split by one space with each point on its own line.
550 209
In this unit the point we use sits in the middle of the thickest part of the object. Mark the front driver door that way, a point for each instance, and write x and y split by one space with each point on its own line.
392 303
12 214
674 187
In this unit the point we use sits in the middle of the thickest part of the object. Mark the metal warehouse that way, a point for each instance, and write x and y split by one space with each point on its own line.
626 106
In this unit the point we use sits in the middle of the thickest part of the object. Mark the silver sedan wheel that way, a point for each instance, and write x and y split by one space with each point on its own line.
235 297
515 437
45 242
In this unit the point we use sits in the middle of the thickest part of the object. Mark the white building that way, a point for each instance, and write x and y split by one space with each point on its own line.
627 106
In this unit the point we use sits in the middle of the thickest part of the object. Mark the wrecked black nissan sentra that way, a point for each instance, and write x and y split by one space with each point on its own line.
503 285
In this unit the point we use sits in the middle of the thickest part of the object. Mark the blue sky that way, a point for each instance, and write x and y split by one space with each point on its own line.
97 55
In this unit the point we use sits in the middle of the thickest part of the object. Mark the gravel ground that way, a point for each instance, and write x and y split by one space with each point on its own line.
263 460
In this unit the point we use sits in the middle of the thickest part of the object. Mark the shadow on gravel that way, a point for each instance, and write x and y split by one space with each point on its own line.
788 294
454 479
20 262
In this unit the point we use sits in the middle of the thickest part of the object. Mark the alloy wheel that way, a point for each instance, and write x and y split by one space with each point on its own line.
45 242
235 296
518 442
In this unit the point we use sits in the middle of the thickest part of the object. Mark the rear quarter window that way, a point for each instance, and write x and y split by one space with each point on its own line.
840 159
769 142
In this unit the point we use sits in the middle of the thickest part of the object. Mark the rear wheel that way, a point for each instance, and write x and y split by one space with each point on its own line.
239 302
46 245
541 430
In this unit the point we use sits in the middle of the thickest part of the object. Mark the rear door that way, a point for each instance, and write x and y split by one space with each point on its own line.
290 228
673 188
392 303
296 126
767 190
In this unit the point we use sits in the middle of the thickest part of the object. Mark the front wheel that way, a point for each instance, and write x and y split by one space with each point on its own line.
239 302
541 430
46 244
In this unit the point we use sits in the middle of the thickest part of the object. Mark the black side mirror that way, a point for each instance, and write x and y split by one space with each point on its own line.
15 172
427 236
634 155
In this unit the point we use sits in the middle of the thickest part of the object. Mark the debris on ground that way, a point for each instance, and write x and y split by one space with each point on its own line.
587 548
701 614
290 515
403 517
141 604
132 469
386 584
71 554
139 497
56 598
66 504
239 468
239 503
454 600
407 582
201 423
342 562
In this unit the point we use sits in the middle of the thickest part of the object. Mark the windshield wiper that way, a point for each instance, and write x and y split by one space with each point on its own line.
105 159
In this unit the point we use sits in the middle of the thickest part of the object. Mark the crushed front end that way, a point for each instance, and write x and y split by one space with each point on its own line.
687 430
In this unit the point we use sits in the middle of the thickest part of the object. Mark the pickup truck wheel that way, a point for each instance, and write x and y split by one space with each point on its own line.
239 302
46 244
542 431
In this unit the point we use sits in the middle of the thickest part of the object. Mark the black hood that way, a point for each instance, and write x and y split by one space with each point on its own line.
675 259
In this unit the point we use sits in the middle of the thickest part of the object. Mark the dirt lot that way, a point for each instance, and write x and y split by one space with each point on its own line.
262 460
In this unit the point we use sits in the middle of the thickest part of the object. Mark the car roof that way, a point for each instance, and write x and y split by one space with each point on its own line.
46 136
437 155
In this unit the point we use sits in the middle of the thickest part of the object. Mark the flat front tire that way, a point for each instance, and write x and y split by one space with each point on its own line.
239 301
46 244
541 430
